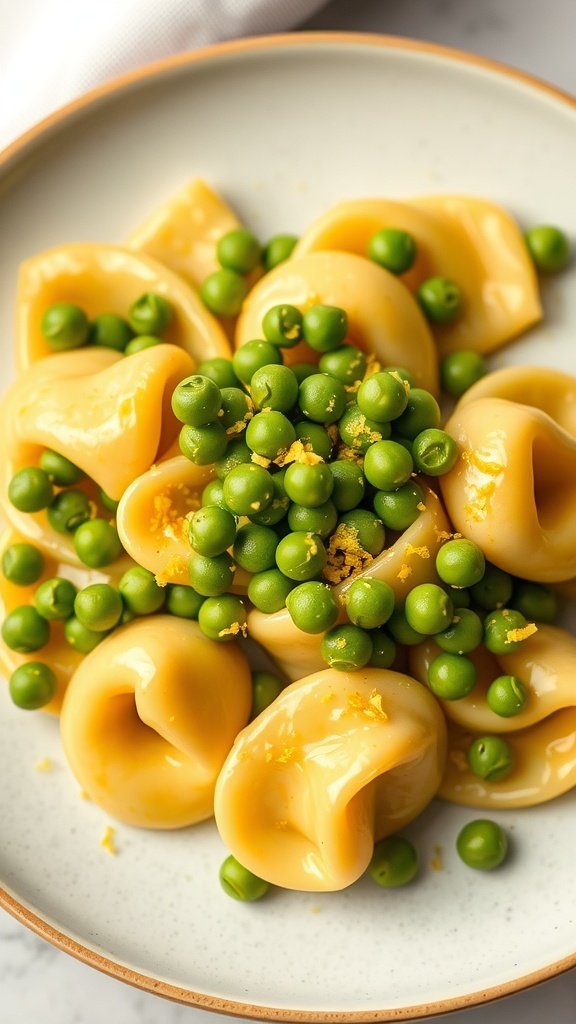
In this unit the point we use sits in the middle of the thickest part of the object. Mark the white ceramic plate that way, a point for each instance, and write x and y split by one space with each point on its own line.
285 127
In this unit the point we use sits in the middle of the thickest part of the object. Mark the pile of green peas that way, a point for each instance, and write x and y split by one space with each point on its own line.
239 253
66 326
307 458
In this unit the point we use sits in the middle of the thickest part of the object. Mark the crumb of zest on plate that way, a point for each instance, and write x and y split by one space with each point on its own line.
44 765
108 840
436 860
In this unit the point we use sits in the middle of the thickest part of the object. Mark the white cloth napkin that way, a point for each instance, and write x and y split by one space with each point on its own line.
53 50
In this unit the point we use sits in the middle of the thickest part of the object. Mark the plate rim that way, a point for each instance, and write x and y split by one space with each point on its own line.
9 158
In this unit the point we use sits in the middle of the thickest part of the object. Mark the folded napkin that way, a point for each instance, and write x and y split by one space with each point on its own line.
54 50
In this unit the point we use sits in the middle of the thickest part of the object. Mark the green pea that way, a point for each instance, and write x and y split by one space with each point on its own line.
68 510
440 299
220 370
346 648
32 685
312 607
301 556
223 292
196 400
275 512
274 387
422 412
223 618
213 494
535 601
382 397
282 326
97 543
212 531
65 326
239 883
506 696
358 431
322 398
253 356
270 433
460 563
109 503
265 688
401 631
60 470
150 314
24 630
490 758
349 485
368 529
548 247
278 250
22 564
303 370
321 520
98 607
140 592
347 364
460 370
317 437
434 452
236 411
141 343
248 489
393 249
464 634
428 609
183 601
239 250
55 598
237 454
506 630
394 862
80 637
387 465
211 577
255 547
452 676
369 602
30 490
399 509
482 844
110 331
383 649
268 590
203 445
310 486
493 590
325 327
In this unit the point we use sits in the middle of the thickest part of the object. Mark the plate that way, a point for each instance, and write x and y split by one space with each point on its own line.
284 127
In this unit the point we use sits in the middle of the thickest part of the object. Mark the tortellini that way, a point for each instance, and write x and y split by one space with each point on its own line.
105 279
513 489
410 560
542 737
149 718
383 317
338 761
467 239
541 387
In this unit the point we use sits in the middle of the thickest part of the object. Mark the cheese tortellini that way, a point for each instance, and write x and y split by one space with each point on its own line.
338 761
149 718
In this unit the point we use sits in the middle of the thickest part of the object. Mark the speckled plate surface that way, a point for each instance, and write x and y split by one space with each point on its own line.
285 127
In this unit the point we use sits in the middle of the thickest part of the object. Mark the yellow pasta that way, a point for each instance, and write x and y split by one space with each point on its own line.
513 489
383 317
467 239
541 387
102 279
338 761
150 717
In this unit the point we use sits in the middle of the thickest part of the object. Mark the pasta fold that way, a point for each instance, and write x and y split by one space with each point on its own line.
338 761
149 718
472 241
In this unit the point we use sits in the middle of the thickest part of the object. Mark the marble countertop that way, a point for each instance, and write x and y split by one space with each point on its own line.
38 982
